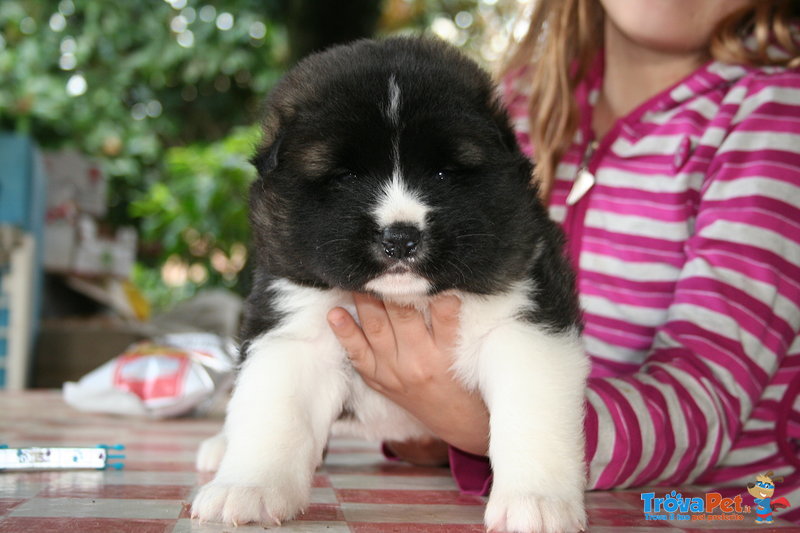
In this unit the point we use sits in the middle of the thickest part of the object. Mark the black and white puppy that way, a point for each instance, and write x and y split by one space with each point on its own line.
390 167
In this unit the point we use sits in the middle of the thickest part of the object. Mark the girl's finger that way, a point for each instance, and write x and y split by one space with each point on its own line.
352 340
377 328
445 320
412 335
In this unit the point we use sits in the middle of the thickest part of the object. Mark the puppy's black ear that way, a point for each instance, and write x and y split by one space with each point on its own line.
266 158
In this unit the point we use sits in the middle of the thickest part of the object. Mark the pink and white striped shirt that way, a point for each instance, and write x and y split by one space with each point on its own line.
687 248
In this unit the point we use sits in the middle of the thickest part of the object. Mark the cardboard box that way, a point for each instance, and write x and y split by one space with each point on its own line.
75 181
68 349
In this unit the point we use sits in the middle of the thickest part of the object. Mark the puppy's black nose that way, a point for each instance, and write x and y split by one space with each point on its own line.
400 241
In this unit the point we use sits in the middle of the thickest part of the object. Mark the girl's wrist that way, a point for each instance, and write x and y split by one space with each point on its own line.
469 439
461 420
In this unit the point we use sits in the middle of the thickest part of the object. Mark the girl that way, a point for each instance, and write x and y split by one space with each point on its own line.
667 140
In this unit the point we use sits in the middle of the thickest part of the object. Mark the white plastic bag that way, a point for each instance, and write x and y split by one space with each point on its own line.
167 376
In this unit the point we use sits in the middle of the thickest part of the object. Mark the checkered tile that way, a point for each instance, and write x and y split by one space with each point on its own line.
356 490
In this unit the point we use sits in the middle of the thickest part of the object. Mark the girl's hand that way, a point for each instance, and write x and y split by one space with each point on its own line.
399 356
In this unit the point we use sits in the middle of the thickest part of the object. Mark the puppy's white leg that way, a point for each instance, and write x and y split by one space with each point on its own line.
533 383
210 453
286 397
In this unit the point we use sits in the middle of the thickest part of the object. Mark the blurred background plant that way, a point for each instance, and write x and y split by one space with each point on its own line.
194 223
164 93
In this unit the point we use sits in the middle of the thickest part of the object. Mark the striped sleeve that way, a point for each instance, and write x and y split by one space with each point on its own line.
734 314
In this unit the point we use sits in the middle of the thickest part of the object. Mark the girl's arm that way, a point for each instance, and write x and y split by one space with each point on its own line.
735 312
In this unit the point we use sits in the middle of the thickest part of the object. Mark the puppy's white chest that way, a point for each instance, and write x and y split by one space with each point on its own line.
305 312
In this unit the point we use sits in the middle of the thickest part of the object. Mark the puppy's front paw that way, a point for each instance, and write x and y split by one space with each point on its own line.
529 513
209 456
242 504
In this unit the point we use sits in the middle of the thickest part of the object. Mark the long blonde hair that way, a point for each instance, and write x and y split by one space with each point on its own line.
564 35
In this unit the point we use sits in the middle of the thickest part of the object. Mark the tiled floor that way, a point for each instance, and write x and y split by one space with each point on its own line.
356 490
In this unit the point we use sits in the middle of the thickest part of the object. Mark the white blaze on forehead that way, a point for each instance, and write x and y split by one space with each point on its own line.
393 109
393 114
398 204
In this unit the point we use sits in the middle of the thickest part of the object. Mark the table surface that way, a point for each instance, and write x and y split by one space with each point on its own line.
356 490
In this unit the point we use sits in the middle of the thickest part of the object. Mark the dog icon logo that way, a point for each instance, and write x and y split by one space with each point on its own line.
762 491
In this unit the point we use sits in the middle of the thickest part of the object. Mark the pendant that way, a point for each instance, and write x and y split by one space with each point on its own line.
583 182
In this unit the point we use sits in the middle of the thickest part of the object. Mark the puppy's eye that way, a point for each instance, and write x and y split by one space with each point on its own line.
346 175
442 174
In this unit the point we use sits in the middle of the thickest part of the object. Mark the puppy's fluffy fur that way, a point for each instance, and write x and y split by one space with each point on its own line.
390 167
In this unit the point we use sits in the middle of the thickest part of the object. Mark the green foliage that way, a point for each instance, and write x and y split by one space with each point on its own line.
199 220
126 80
131 82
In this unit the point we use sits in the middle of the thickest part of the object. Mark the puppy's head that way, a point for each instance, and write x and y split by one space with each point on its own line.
390 167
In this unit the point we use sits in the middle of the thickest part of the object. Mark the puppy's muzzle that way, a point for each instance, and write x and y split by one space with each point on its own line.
400 241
